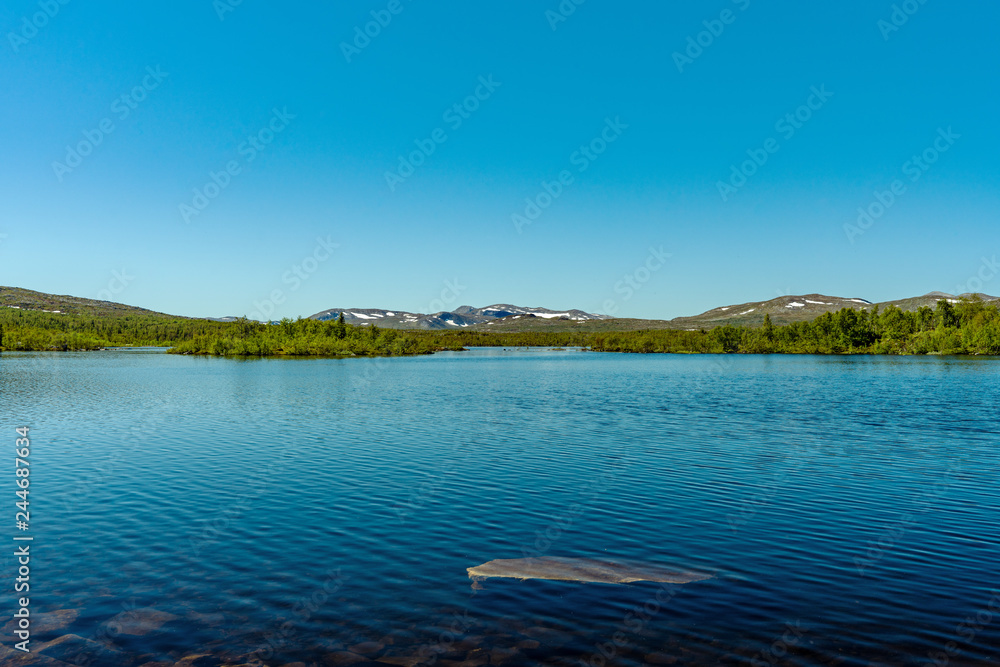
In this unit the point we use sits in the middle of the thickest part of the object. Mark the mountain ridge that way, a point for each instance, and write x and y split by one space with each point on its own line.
460 318
784 309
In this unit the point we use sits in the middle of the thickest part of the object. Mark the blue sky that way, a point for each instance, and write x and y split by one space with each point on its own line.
308 218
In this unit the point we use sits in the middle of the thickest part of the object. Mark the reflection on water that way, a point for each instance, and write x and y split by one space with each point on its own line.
208 511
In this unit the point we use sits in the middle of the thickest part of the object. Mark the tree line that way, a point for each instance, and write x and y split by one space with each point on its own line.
967 327
22 329
306 337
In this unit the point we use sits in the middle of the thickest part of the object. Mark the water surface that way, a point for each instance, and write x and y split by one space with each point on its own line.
292 510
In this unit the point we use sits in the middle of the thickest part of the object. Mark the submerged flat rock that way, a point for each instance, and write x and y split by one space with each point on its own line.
585 570
140 622
47 622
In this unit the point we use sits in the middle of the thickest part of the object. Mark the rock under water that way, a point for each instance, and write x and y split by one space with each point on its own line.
586 570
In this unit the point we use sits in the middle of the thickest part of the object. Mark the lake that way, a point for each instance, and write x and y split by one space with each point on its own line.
207 511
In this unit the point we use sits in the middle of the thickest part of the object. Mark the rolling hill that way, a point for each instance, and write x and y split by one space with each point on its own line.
802 308
25 299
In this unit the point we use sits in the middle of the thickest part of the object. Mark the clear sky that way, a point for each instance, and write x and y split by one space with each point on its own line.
344 174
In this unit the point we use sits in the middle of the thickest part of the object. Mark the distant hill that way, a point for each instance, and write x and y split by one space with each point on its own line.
461 318
931 298
507 318
25 299
788 309
518 323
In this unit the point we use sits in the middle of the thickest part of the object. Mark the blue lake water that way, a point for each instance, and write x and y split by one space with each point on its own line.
325 511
